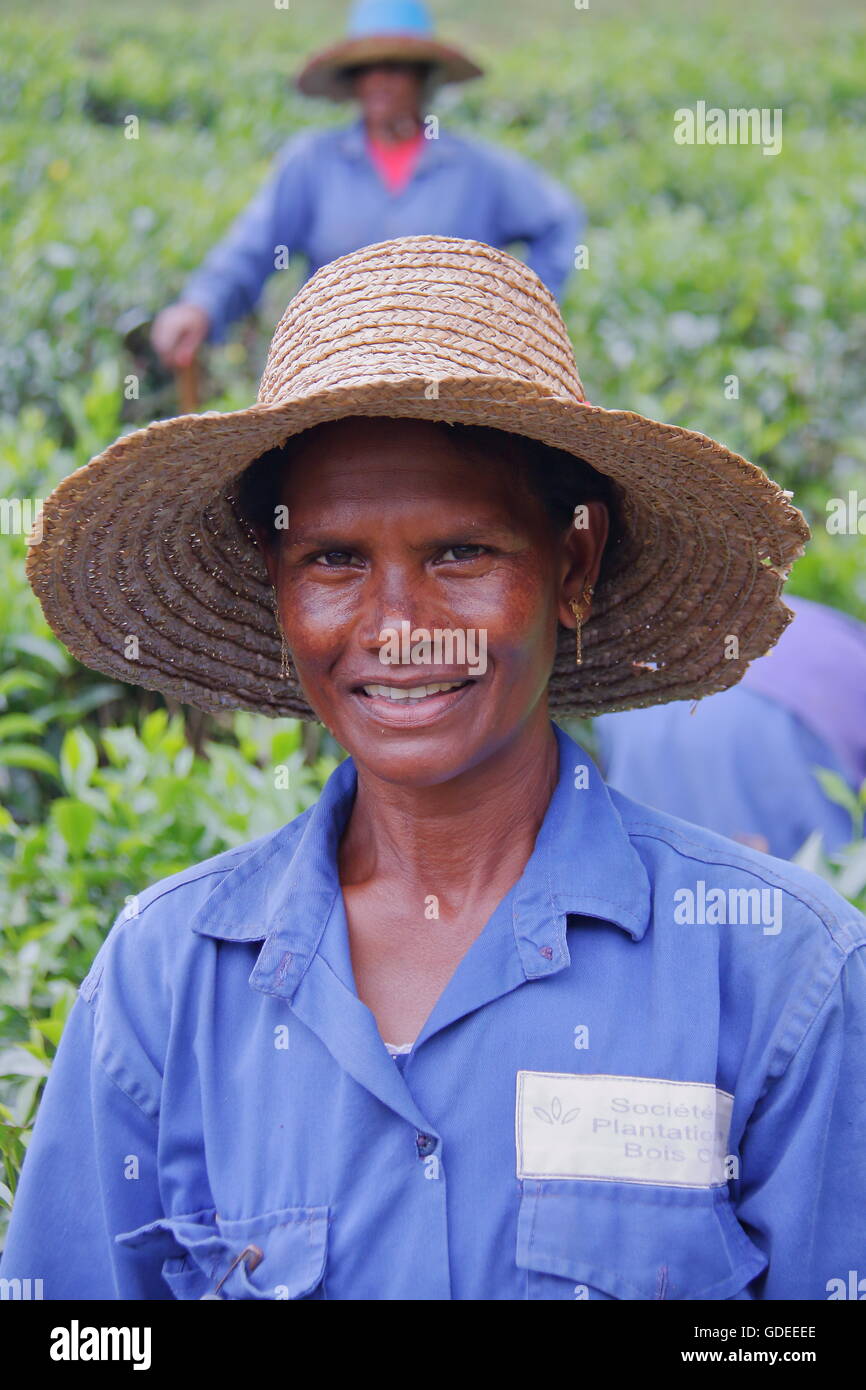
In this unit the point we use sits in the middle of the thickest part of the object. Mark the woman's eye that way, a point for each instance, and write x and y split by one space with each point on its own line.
454 549
343 556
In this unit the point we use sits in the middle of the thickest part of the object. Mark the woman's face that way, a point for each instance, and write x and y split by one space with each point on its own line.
390 522
388 92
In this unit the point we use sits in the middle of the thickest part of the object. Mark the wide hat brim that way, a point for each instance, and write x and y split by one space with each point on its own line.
325 75
147 571
144 543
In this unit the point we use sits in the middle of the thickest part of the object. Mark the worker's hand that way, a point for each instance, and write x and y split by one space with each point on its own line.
178 332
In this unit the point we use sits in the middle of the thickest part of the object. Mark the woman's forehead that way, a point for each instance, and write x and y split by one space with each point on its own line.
387 458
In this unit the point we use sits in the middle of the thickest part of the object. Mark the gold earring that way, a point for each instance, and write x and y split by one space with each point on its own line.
578 623
580 617
284 649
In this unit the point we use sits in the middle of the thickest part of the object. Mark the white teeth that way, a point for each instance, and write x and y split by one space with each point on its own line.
415 692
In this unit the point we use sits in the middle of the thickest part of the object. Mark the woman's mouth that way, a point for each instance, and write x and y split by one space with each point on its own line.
412 692
401 705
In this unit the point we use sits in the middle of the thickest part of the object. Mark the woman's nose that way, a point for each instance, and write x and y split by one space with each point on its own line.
395 596
386 629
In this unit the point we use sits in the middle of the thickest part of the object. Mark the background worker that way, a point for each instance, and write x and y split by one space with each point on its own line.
387 174
745 762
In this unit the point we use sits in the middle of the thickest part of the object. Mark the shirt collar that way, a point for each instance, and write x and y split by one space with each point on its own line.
583 864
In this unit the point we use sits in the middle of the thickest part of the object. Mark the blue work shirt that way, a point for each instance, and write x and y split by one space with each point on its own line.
324 197
219 1084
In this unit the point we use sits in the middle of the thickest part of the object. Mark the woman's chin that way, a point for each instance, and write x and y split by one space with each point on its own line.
412 741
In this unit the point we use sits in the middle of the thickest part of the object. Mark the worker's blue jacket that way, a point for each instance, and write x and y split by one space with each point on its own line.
644 1080
324 197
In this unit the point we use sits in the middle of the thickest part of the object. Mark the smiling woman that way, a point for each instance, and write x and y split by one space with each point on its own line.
374 1054
454 527
394 521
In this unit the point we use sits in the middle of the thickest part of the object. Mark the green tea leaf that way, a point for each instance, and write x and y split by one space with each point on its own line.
75 820
77 759
27 755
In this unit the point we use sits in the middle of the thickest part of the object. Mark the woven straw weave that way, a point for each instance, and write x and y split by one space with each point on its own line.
145 541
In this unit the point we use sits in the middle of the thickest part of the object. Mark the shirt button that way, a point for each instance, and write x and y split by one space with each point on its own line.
425 1144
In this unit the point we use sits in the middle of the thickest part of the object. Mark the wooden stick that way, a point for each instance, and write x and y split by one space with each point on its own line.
187 382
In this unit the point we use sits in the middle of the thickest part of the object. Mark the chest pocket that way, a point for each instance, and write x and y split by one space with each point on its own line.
580 1239
202 1249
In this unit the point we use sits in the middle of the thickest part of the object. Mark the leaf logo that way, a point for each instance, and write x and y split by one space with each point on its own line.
555 1115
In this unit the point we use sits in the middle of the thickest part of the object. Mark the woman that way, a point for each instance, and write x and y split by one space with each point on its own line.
390 173
618 1041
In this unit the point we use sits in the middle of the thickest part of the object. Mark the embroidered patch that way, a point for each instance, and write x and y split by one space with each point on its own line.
624 1128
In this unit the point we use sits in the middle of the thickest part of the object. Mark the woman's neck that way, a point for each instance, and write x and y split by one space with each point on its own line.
462 840
392 130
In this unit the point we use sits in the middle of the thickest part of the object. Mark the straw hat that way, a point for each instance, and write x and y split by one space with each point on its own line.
383 31
145 542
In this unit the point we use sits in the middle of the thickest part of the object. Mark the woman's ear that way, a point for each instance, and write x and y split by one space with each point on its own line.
269 550
581 561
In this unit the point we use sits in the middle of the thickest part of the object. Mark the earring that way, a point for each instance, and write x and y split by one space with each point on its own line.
284 650
578 623
284 657
579 618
